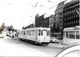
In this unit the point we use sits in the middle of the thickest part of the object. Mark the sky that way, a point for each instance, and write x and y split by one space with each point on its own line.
21 13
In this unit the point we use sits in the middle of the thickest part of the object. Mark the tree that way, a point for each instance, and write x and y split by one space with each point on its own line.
10 28
2 27
23 27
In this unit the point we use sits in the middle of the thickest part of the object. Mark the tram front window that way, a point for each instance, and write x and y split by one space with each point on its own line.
44 32
47 32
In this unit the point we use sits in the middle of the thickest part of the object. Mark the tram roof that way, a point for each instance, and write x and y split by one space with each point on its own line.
42 28
72 28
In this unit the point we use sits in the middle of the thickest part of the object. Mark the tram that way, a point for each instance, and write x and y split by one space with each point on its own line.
71 36
38 35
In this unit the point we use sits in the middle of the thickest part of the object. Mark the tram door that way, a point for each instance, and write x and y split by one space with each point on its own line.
44 33
45 36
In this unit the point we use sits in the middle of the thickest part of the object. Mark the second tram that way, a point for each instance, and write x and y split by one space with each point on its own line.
71 36
38 35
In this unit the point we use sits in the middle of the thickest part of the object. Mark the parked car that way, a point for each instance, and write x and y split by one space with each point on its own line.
54 40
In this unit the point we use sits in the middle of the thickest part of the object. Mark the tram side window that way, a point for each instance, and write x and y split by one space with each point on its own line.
67 34
77 35
32 32
24 32
72 34
28 32
39 33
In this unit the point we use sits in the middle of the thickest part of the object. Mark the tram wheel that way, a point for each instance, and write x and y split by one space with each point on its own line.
21 39
37 43
45 44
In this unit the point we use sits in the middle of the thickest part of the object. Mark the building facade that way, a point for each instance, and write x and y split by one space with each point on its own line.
52 22
46 22
59 15
29 26
71 17
59 20
40 21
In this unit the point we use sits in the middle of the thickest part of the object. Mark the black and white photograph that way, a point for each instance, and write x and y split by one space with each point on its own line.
40 28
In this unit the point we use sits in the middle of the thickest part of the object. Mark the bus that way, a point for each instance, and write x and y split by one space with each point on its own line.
38 35
71 36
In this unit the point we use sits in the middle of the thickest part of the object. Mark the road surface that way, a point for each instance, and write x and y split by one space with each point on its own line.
15 47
